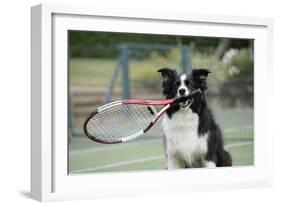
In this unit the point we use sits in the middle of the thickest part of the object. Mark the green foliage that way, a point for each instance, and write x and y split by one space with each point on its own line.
243 61
241 65
104 44
210 62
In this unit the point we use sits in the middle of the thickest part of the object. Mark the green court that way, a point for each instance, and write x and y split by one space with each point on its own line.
147 152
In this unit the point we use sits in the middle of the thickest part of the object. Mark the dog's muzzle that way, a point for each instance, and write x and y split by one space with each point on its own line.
186 103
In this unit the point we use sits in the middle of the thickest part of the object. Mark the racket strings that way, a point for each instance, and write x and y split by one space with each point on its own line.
119 122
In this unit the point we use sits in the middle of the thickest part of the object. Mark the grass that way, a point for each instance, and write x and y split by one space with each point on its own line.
98 72
85 71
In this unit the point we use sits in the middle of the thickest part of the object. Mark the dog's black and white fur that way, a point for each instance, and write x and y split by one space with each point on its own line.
192 137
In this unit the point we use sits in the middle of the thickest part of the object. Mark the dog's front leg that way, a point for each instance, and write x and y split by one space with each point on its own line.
173 162
209 164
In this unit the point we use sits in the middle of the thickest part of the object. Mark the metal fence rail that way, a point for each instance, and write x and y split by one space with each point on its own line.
128 52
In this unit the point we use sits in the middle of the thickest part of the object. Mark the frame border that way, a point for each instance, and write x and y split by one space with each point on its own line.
42 153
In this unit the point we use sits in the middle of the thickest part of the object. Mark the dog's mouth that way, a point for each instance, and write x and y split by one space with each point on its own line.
186 103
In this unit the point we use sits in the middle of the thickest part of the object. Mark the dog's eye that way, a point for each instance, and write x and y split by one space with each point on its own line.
177 83
188 83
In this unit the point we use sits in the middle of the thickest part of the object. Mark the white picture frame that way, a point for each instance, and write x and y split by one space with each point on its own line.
49 175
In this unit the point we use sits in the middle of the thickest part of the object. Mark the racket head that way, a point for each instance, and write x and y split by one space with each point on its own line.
90 135
117 122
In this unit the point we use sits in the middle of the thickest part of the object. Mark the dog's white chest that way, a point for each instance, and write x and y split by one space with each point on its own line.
182 139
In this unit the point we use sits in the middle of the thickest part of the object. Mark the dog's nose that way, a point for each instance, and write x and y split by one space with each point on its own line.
182 91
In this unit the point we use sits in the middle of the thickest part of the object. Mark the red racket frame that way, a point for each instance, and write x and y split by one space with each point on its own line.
168 103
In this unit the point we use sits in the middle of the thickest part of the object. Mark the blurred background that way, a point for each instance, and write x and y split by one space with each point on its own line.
105 66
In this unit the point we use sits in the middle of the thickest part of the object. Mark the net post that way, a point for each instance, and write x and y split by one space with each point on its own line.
185 59
125 70
113 80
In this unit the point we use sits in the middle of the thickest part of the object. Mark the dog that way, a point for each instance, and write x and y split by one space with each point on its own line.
192 137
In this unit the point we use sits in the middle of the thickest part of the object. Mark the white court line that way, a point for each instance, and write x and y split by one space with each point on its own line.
108 147
119 164
146 159
238 144
235 129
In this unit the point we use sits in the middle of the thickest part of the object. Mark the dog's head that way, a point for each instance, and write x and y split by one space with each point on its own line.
175 85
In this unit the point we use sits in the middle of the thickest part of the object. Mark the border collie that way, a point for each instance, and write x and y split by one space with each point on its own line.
192 137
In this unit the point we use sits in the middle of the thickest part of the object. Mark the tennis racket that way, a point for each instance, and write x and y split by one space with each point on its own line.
123 120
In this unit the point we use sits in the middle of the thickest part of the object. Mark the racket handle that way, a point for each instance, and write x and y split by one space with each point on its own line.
185 98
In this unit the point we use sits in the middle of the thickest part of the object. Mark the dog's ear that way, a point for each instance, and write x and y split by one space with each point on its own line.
169 76
200 76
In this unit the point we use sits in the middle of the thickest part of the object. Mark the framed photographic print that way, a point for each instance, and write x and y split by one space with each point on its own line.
135 102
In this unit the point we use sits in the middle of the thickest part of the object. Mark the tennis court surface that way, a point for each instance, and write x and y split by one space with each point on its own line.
147 152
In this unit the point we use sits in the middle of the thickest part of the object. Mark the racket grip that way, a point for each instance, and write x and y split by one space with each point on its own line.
191 95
